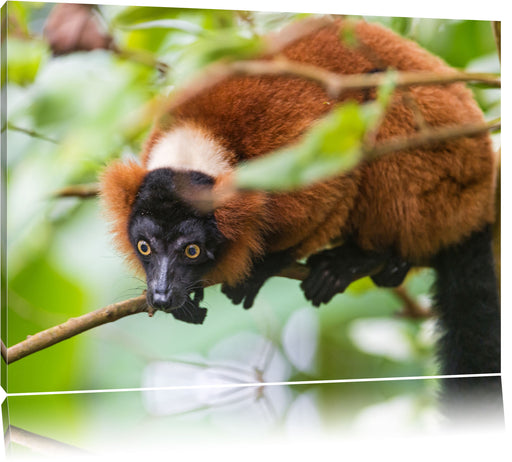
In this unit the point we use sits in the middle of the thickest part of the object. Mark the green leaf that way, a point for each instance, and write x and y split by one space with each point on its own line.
218 19
325 168
226 45
229 45
330 148
138 14
24 58
148 40
457 42
197 19
401 25
18 18
360 286
385 92
341 131
348 35
275 171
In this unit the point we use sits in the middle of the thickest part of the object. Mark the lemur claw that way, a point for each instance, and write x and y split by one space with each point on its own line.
247 290
244 292
332 271
393 273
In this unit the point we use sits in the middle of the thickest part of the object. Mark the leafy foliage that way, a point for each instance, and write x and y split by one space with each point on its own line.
25 59
68 115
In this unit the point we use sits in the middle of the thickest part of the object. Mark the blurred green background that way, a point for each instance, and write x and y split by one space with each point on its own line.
68 115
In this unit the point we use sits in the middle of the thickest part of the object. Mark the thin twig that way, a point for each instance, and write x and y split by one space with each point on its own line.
79 190
334 84
496 27
430 136
139 57
410 309
31 133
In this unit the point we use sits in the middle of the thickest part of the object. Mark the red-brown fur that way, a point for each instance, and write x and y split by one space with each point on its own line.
415 201
119 186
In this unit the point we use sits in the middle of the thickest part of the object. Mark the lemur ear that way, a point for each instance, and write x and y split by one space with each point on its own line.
119 185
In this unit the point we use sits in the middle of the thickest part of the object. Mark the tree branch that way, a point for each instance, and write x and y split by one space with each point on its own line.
429 136
111 313
334 84
79 190
3 350
31 133
411 309
496 28
140 57
40 444
422 138
75 326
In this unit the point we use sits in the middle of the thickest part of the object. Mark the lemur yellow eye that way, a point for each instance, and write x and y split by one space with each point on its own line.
143 247
192 251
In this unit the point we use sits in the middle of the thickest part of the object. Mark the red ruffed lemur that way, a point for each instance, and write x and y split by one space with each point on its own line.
428 206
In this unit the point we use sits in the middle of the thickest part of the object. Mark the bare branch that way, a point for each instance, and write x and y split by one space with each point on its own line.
3 350
334 84
30 133
430 136
110 313
411 309
40 444
496 27
140 57
79 190
297 271
422 138
76 326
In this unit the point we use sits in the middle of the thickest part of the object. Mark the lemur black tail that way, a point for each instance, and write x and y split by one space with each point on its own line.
468 309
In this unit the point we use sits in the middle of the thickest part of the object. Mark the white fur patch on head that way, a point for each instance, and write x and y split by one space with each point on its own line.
189 148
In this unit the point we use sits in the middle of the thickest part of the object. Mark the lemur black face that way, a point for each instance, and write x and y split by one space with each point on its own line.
176 244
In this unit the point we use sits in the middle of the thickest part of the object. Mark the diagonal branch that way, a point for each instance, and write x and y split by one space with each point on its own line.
422 138
430 136
111 313
31 133
74 326
40 444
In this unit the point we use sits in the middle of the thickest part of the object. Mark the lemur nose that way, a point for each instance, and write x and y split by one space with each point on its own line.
161 299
